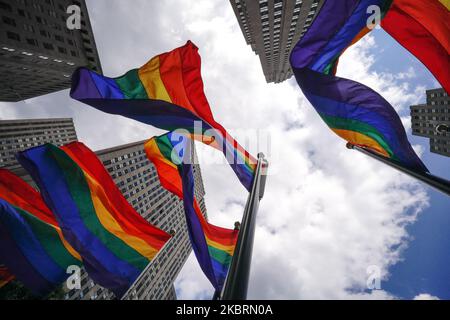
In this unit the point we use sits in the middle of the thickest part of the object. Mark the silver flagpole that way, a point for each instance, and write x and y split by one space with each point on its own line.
236 283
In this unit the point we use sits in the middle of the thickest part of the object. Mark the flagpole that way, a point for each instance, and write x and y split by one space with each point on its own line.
236 283
438 183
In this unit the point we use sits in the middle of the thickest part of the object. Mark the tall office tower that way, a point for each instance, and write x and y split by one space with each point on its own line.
18 135
432 120
272 28
137 179
38 51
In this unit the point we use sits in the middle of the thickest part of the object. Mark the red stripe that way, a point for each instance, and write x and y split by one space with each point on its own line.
130 221
20 194
413 33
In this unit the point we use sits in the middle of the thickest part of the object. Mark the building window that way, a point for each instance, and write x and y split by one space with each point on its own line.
13 36
9 21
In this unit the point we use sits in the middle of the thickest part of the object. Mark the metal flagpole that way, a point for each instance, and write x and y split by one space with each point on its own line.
236 283
438 183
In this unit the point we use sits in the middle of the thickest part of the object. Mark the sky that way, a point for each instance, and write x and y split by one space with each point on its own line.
330 216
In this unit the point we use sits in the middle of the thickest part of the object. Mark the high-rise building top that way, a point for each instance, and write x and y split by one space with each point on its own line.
272 28
38 52
18 135
432 120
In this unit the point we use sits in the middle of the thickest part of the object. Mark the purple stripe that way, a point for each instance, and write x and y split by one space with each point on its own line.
332 16
17 264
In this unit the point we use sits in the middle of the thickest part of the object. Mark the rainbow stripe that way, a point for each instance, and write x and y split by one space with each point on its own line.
422 27
213 245
115 242
166 92
32 245
353 111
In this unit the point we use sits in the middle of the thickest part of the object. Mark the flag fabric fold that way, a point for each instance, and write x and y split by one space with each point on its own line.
167 92
33 247
213 246
353 111
115 242
423 28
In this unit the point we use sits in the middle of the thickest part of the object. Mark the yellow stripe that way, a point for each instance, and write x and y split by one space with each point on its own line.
228 249
99 197
361 140
67 245
151 79
445 3
152 151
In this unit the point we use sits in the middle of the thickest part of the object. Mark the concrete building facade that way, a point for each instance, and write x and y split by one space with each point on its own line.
432 120
272 28
38 52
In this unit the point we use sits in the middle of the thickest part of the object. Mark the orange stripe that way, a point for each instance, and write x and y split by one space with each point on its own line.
103 208
361 140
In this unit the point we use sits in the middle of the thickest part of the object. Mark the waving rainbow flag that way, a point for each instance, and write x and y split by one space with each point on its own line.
166 92
423 28
213 246
32 245
115 242
353 111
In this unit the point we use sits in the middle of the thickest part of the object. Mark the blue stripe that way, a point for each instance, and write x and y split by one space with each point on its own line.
356 23
30 245
115 273
107 87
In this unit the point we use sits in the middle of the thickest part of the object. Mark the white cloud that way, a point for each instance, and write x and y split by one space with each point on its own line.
425 296
328 212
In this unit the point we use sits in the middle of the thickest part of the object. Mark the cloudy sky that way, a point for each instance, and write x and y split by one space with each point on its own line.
330 216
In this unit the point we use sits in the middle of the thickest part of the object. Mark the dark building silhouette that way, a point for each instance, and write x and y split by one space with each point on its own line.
272 28
38 52
432 120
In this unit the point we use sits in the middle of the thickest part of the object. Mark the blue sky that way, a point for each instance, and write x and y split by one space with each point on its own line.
425 262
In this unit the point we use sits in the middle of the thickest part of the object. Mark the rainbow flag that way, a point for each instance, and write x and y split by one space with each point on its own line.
353 111
166 92
423 28
32 245
213 246
115 242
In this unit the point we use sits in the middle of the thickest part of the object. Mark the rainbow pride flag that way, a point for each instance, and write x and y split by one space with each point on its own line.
213 246
353 111
423 28
166 92
115 242
32 246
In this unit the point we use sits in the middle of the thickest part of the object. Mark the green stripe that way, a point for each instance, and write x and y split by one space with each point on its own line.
49 239
131 86
219 255
360 127
165 147
81 195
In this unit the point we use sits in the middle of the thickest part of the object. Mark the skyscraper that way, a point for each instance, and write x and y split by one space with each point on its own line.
432 120
272 28
18 135
137 179
38 52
